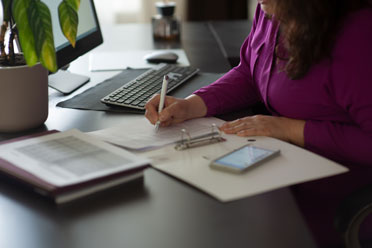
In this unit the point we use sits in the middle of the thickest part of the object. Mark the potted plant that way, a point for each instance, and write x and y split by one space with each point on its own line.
24 76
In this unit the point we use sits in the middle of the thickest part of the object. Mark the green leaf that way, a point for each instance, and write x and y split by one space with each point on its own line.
26 37
6 9
75 4
41 25
68 20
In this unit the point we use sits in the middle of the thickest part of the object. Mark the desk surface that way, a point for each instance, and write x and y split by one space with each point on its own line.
160 212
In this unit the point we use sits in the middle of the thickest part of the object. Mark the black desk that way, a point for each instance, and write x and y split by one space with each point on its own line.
160 213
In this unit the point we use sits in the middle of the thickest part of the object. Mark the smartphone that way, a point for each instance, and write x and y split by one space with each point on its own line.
243 158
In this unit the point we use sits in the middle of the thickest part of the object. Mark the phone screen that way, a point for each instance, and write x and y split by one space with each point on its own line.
244 157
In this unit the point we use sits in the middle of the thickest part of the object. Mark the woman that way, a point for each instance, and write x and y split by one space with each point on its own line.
309 62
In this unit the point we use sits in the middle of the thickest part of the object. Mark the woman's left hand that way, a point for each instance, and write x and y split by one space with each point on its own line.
286 129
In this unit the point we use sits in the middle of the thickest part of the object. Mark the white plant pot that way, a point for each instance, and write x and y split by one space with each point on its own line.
23 97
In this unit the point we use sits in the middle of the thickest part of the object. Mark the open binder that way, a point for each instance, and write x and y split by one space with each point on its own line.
185 150
67 190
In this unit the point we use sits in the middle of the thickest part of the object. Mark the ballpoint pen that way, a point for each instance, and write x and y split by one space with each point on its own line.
162 98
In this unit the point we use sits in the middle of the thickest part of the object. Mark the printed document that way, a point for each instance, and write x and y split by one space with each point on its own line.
68 157
139 133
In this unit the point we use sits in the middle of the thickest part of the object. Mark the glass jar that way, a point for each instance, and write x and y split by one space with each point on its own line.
165 26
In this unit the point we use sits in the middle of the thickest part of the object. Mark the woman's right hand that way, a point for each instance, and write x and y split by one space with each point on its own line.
175 110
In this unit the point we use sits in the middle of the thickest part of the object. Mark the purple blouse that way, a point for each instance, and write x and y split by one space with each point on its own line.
334 97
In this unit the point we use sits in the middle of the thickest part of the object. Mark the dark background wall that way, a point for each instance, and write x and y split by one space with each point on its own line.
198 10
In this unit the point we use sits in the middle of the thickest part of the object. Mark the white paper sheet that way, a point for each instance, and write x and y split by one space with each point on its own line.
139 133
68 157
294 165
114 61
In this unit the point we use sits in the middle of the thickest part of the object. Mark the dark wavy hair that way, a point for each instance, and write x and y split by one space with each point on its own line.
309 29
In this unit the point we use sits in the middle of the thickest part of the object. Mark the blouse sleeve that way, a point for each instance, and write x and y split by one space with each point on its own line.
235 90
351 86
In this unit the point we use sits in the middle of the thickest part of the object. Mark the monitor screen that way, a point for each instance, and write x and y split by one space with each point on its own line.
88 37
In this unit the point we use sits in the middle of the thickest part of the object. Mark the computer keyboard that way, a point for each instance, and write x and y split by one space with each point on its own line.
137 92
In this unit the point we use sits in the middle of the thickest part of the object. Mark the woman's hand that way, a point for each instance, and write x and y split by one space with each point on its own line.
286 129
175 110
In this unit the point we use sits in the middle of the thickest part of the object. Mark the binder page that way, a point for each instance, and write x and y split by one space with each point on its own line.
69 157
292 166
139 133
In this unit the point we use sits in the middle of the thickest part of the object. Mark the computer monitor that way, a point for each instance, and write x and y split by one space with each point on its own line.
89 36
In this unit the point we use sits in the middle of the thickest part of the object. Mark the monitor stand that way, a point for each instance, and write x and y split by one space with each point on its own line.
66 82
